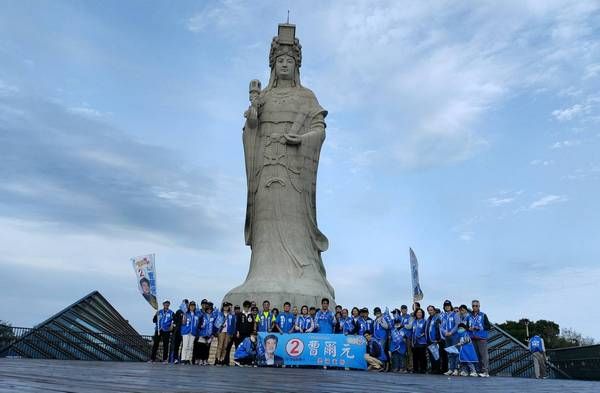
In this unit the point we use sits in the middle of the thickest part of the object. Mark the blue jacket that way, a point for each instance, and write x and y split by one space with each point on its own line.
536 344
264 322
230 319
304 323
449 325
406 323
347 325
285 322
433 328
190 323
207 324
380 329
325 321
466 352
374 349
419 336
364 325
397 342
164 320
246 349
480 323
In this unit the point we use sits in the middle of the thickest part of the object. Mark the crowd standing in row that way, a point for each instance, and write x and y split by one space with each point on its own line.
402 341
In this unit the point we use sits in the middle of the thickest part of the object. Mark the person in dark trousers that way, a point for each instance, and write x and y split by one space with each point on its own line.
164 325
177 338
419 341
245 324
238 314
433 337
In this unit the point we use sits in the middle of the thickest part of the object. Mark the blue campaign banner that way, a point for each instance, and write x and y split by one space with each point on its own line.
311 349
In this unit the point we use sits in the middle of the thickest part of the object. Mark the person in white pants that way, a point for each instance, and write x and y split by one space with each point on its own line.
189 330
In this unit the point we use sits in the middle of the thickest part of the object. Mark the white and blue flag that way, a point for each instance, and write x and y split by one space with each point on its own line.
414 270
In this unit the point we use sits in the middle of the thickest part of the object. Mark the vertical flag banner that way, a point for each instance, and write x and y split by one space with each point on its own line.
145 273
414 270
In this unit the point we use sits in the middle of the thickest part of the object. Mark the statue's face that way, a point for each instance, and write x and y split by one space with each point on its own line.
285 67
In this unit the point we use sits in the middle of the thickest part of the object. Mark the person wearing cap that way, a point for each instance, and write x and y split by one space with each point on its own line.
245 323
448 330
397 345
205 335
238 314
245 353
304 322
164 325
405 321
381 327
364 323
466 356
284 322
225 333
266 319
479 326
375 355
177 338
189 330
324 318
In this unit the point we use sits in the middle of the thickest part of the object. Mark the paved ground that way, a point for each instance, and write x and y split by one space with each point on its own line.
26 375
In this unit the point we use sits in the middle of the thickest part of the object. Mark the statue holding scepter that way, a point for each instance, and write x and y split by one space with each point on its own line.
282 137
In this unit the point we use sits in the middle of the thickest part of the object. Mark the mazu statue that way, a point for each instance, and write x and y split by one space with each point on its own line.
282 136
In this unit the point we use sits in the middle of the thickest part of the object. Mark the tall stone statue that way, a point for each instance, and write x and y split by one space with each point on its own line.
283 134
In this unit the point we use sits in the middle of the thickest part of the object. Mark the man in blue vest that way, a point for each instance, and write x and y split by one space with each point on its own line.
479 326
324 318
164 325
405 322
375 355
538 350
284 322
265 319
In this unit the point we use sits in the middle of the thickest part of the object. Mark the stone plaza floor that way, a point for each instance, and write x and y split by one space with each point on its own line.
28 375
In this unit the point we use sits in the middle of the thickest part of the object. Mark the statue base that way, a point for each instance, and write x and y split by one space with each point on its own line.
298 293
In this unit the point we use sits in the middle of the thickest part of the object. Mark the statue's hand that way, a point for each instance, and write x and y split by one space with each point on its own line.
251 116
292 139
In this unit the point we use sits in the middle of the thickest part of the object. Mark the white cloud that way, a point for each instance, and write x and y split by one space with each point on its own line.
541 162
500 201
570 112
225 14
547 200
85 111
565 143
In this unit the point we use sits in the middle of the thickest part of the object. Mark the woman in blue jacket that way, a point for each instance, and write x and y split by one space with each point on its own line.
245 354
419 342
189 330
304 322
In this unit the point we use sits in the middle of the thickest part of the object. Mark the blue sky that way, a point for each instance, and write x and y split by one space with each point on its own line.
466 130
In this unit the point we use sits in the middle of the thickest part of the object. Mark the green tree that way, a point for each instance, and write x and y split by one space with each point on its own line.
6 334
549 330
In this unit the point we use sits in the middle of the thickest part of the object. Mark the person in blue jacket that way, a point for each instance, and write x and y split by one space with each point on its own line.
375 355
284 322
225 332
538 350
346 324
397 348
464 315
164 325
265 319
479 326
419 342
189 330
304 322
245 354
405 320
205 334
434 338
448 330
324 318
467 355
364 323
381 327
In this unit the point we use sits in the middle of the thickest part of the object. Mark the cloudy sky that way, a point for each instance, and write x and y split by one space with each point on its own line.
466 130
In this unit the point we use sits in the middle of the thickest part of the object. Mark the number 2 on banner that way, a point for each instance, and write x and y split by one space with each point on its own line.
294 347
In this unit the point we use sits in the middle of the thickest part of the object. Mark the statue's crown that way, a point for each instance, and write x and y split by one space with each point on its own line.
285 43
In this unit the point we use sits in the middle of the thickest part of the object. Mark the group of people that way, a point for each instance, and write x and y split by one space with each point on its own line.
451 341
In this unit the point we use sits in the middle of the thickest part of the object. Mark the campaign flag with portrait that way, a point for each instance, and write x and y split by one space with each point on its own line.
414 270
311 349
145 273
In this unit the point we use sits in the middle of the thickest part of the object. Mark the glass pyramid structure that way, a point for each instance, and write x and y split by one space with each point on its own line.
89 329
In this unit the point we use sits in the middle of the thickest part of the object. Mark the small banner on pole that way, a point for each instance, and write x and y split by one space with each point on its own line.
145 273
414 269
